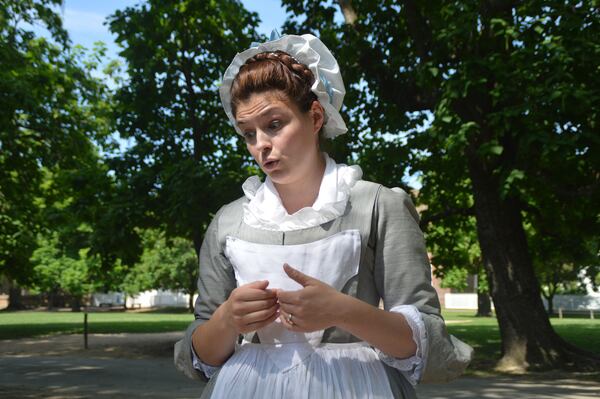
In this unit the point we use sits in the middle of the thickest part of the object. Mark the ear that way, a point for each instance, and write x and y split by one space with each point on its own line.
318 115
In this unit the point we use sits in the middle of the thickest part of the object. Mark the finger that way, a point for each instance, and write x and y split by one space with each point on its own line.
293 326
287 308
258 316
263 323
297 275
289 297
284 318
253 294
245 307
260 284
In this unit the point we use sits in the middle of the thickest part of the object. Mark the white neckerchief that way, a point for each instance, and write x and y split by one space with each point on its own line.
265 210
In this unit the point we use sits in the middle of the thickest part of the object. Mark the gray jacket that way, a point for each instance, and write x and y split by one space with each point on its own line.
394 267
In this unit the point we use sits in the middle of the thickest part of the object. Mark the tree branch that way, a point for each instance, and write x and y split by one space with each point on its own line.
350 15
418 29
406 95
444 214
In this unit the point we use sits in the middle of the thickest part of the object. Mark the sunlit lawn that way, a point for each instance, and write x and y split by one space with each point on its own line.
30 323
480 332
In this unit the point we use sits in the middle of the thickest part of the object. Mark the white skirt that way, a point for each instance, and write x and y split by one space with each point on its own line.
289 371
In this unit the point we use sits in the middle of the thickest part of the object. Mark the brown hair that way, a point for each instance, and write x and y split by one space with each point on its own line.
275 70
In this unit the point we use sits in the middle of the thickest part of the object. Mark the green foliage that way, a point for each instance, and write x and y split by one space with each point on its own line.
52 109
566 263
184 160
54 270
515 83
456 278
169 264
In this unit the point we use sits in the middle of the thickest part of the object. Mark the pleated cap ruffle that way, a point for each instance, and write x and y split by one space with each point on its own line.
309 50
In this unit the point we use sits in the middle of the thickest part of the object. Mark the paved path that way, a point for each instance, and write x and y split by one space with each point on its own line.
93 374
512 388
75 377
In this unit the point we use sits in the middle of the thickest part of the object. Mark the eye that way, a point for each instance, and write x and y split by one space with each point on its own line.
275 124
249 134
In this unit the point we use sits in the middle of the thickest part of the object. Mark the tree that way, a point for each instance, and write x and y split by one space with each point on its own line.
514 94
50 112
563 264
184 160
456 255
169 264
55 272
71 205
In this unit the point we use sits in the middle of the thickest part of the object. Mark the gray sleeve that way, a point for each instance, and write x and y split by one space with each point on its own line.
403 277
215 283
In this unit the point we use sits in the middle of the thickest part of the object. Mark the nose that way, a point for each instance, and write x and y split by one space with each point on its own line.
263 141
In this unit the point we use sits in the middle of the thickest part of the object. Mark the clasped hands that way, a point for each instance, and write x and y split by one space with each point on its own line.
316 306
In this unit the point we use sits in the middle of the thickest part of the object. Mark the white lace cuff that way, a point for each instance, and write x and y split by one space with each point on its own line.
198 364
413 366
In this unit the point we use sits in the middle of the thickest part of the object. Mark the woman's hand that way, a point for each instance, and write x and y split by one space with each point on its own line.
251 306
314 307
318 306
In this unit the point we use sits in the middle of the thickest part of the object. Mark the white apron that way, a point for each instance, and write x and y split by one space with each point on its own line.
297 365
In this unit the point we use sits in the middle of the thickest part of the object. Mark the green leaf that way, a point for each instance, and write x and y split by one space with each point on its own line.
491 148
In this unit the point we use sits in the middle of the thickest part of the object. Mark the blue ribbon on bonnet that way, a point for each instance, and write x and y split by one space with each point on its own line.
275 35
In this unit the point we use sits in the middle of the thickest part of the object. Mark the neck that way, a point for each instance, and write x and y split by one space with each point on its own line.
303 193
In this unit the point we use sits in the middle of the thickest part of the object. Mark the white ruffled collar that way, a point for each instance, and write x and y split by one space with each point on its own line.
264 209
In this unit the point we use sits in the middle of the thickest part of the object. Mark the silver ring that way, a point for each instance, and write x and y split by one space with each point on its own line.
289 318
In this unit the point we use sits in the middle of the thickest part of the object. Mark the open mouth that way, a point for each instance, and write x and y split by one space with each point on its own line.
270 164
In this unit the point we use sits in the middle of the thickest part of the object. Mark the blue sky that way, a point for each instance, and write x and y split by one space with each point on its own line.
84 19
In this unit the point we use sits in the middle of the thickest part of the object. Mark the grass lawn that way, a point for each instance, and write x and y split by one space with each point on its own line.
482 334
31 323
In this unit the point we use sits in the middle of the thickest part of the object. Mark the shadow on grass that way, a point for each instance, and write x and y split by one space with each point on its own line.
484 336
485 339
16 331
585 336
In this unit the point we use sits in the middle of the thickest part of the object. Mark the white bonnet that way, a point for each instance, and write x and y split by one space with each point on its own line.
310 51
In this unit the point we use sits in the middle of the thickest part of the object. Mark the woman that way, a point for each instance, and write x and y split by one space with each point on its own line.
291 274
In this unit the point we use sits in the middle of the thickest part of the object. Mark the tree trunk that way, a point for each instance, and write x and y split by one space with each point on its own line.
484 305
528 339
15 298
550 300
552 288
191 301
192 288
53 299
76 303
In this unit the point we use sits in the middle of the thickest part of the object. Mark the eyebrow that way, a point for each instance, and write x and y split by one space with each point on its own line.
265 111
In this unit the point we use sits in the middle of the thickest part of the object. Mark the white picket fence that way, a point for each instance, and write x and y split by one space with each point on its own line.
576 302
566 302
146 299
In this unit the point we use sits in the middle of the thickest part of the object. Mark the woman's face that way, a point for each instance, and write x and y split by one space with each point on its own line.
282 139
